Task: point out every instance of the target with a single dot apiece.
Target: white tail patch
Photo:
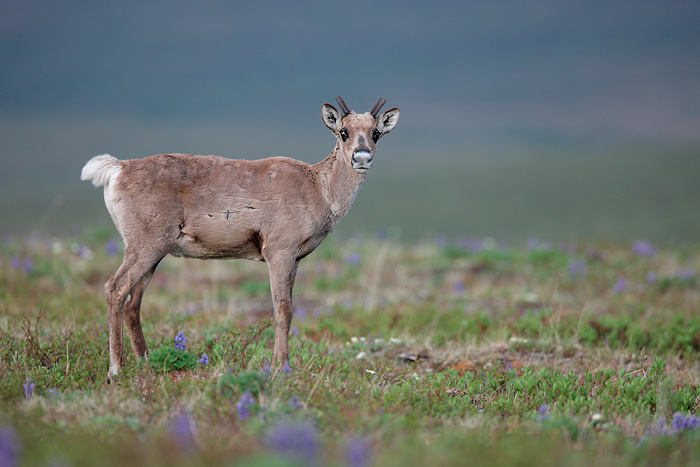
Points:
(101, 170)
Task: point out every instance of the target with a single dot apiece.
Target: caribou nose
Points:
(362, 158)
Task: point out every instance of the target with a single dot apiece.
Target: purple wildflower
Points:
(441, 241)
(470, 244)
(16, 262)
(297, 440)
(358, 452)
(620, 285)
(294, 331)
(28, 265)
(295, 403)
(180, 341)
(84, 252)
(685, 422)
(204, 360)
(286, 368)
(54, 392)
(243, 405)
(112, 247)
(300, 312)
(651, 277)
(543, 413)
(458, 286)
(10, 446)
(535, 244)
(578, 269)
(183, 430)
(353, 259)
(28, 388)
(686, 274)
(643, 248)
(266, 367)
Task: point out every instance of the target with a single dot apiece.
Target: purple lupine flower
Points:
(358, 452)
(266, 367)
(294, 331)
(643, 248)
(353, 259)
(300, 312)
(295, 403)
(204, 360)
(296, 440)
(686, 274)
(28, 388)
(470, 244)
(16, 262)
(543, 413)
(84, 252)
(243, 405)
(458, 286)
(651, 277)
(535, 244)
(180, 341)
(578, 269)
(441, 241)
(183, 430)
(10, 447)
(54, 392)
(189, 310)
(682, 422)
(286, 368)
(28, 265)
(620, 285)
(112, 247)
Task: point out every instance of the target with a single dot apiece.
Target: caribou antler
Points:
(343, 106)
(377, 107)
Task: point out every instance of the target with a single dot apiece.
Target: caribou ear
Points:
(388, 120)
(331, 117)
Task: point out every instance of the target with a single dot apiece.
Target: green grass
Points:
(434, 352)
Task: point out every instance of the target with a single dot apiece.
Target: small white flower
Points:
(362, 339)
(394, 340)
(354, 339)
(371, 372)
(531, 297)
(360, 355)
(518, 340)
(415, 375)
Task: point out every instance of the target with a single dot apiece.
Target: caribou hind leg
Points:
(135, 267)
(132, 315)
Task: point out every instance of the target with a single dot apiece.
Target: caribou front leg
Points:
(282, 274)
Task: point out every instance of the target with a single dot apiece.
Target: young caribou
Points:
(276, 210)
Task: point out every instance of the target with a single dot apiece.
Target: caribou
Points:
(276, 210)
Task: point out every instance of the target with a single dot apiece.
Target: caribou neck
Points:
(339, 184)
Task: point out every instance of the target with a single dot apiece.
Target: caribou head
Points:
(358, 133)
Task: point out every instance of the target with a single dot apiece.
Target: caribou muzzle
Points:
(361, 161)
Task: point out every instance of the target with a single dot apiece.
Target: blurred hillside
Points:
(556, 120)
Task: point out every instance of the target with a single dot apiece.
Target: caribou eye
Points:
(344, 134)
(376, 135)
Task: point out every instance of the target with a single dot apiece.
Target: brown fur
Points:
(276, 210)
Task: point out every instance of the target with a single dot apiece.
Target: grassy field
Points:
(447, 352)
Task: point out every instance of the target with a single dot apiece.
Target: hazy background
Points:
(557, 120)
